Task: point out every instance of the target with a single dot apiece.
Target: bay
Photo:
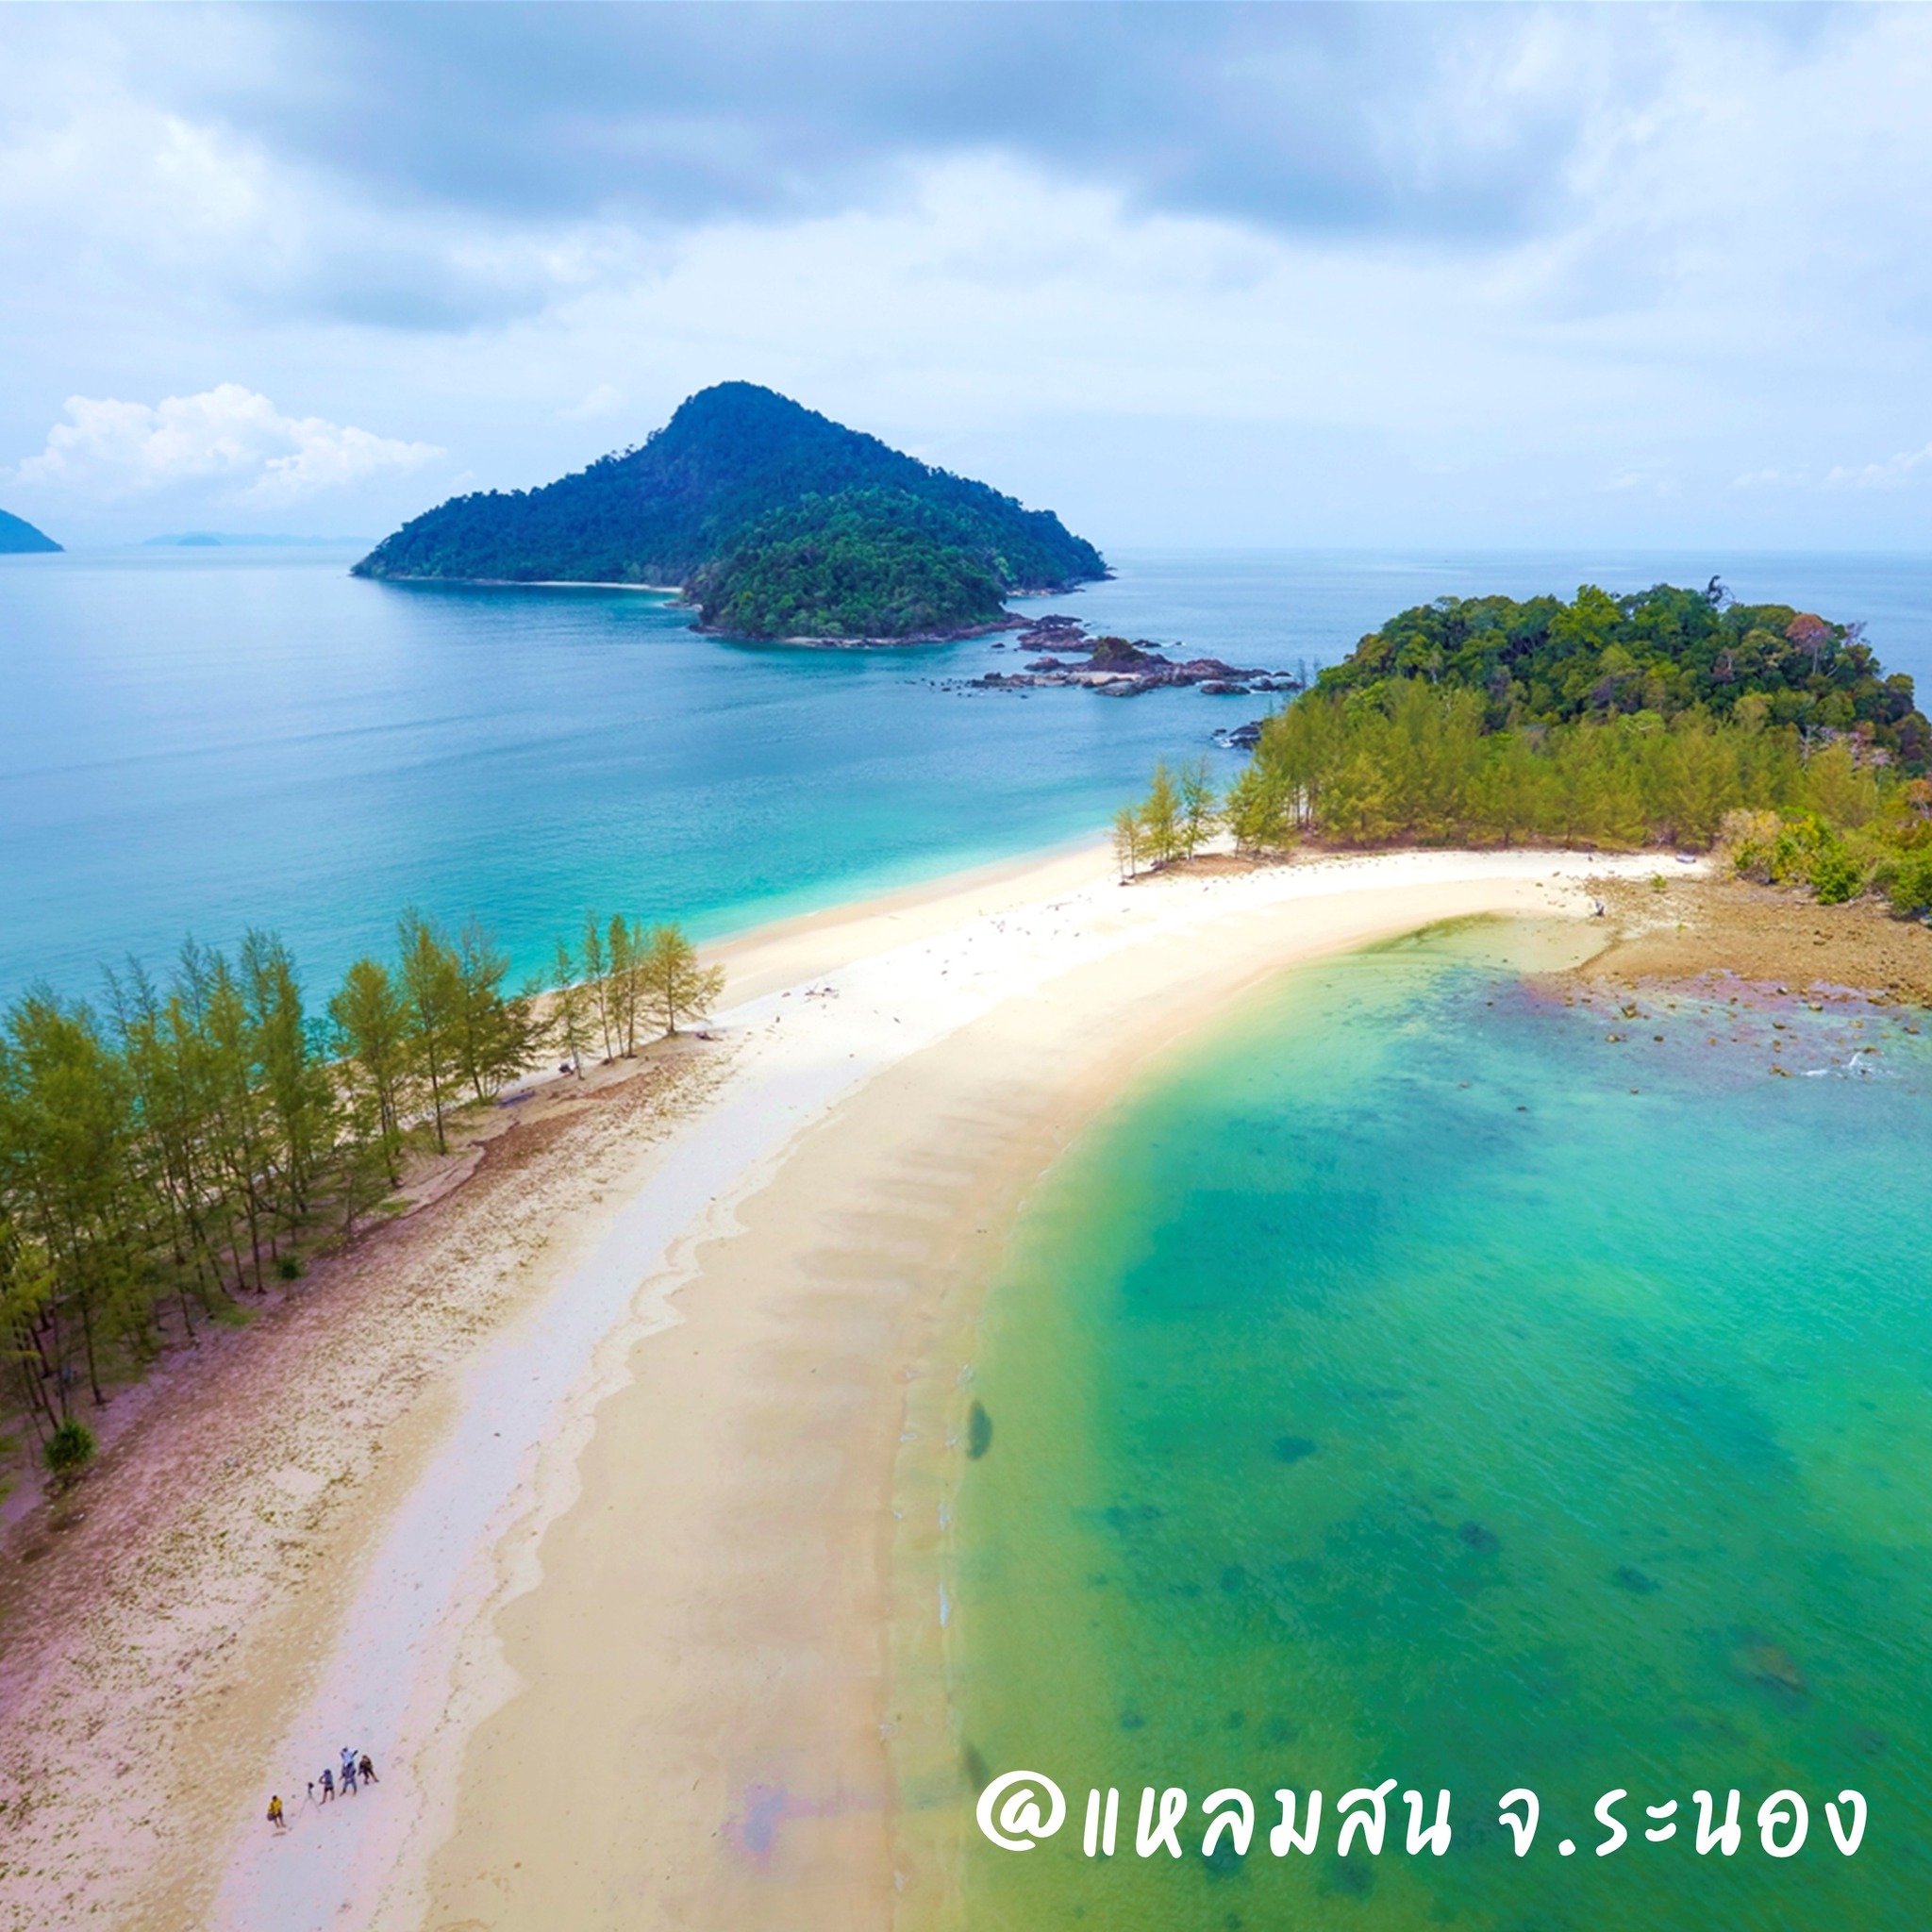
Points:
(1426, 1378)
(203, 740)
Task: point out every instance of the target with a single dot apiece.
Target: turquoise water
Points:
(1390, 1391)
(206, 739)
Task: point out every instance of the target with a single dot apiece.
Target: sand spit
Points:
(668, 1708)
(630, 1674)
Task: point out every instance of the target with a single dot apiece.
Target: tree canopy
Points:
(862, 563)
(1667, 718)
(171, 1151)
(1662, 651)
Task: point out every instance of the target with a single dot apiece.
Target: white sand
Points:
(823, 1008)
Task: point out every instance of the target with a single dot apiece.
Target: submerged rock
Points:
(1774, 1666)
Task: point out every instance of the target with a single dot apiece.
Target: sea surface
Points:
(202, 741)
(1413, 1381)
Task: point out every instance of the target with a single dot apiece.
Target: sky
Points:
(1190, 275)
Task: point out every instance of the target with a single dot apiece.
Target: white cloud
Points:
(1569, 271)
(227, 435)
(603, 400)
(1769, 477)
(1890, 475)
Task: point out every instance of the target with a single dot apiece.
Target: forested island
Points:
(1666, 717)
(775, 520)
(18, 537)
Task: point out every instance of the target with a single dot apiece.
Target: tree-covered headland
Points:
(774, 520)
(1670, 717)
(168, 1151)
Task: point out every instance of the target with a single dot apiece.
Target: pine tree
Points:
(674, 986)
(371, 1028)
(598, 977)
(492, 1032)
(1255, 812)
(432, 989)
(1197, 815)
(571, 1010)
(1160, 816)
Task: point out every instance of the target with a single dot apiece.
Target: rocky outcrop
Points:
(1116, 667)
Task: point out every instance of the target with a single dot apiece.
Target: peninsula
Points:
(18, 537)
(775, 520)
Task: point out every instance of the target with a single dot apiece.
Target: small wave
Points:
(1857, 1067)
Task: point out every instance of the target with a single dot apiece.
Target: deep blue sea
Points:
(202, 741)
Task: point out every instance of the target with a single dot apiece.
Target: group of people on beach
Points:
(357, 1770)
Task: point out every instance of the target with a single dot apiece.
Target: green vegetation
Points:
(161, 1154)
(18, 536)
(1660, 653)
(69, 1450)
(1662, 719)
(864, 563)
(860, 537)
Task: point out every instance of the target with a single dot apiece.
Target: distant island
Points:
(18, 537)
(775, 521)
(245, 540)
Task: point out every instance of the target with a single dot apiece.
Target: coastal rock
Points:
(1118, 667)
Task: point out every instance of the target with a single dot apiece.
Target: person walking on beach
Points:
(329, 1784)
(348, 1777)
(366, 1771)
(275, 1814)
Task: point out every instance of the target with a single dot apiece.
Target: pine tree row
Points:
(1410, 763)
(166, 1152)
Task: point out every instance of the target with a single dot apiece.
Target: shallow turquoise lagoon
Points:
(1391, 1392)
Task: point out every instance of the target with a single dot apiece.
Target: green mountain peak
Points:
(775, 520)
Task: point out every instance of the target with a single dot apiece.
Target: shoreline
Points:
(1008, 621)
(979, 1022)
(819, 1138)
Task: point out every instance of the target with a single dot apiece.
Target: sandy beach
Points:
(610, 1600)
